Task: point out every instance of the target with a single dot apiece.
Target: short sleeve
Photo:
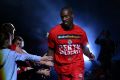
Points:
(84, 39)
(51, 40)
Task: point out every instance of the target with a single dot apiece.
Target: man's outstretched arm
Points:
(87, 52)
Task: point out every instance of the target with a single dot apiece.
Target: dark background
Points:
(34, 18)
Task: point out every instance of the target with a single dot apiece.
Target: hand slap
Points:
(46, 58)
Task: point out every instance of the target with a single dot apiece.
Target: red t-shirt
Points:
(67, 45)
(12, 47)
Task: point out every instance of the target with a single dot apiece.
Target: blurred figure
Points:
(8, 27)
(18, 42)
(8, 58)
(24, 66)
(107, 50)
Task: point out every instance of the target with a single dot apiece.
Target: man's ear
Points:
(6, 43)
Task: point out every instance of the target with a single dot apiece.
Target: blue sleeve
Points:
(27, 56)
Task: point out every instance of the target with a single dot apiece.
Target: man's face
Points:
(19, 43)
(67, 18)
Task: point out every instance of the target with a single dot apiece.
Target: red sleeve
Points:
(84, 39)
(51, 40)
(13, 47)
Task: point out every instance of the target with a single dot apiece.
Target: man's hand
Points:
(45, 72)
(28, 68)
(91, 56)
(48, 63)
(46, 58)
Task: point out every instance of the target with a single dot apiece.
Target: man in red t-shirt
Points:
(67, 42)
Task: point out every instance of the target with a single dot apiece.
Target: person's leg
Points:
(78, 72)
